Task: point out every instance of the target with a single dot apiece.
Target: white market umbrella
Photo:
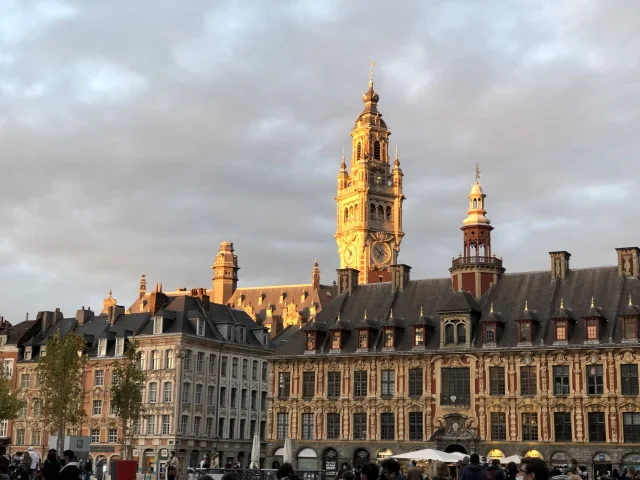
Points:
(255, 452)
(287, 456)
(428, 454)
(512, 458)
(460, 455)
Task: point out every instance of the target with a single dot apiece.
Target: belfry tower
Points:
(369, 200)
(476, 270)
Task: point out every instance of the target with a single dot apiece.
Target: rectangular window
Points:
(25, 380)
(265, 367)
(629, 328)
(97, 407)
(284, 385)
(221, 428)
(387, 426)
(415, 382)
(155, 360)
(167, 392)
(200, 327)
(498, 426)
(562, 426)
(561, 330)
(254, 370)
(153, 392)
(198, 395)
(157, 324)
(211, 395)
(456, 386)
(7, 369)
(561, 381)
(98, 379)
(333, 384)
(200, 362)
(387, 383)
(631, 427)
(166, 424)
(263, 401)
(597, 432)
(120, 346)
(592, 329)
(528, 381)
(168, 359)
(243, 398)
(234, 367)
(186, 392)
(252, 428)
(359, 426)
(95, 435)
(415, 426)
(263, 430)
(335, 340)
(363, 339)
(307, 426)
(113, 435)
(184, 421)
(530, 427)
(223, 366)
(243, 427)
(308, 384)
(360, 383)
(196, 425)
(102, 347)
(232, 428)
(282, 425)
(496, 381)
(4, 428)
(418, 337)
(212, 364)
(388, 338)
(151, 424)
(234, 397)
(595, 381)
(209, 427)
(333, 426)
(629, 374)
(490, 333)
(20, 436)
(35, 437)
(186, 361)
(245, 369)
(525, 332)
(223, 396)
(254, 400)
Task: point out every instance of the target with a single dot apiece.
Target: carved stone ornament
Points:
(527, 359)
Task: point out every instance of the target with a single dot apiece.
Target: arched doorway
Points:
(361, 456)
(330, 460)
(456, 448)
(241, 459)
(307, 460)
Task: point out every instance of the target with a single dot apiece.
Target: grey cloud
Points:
(136, 136)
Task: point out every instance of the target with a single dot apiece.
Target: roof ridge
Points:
(274, 286)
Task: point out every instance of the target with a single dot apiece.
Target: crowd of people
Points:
(28, 466)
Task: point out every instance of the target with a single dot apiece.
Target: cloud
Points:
(135, 136)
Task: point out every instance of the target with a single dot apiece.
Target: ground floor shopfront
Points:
(329, 456)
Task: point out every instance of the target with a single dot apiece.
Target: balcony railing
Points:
(477, 260)
(463, 400)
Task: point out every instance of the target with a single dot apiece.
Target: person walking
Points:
(172, 466)
(51, 466)
(474, 470)
(35, 460)
(494, 472)
(415, 472)
(70, 469)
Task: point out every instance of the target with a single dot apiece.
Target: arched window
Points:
(376, 150)
(372, 210)
(462, 333)
(388, 213)
(355, 213)
(346, 215)
(153, 392)
(351, 214)
(359, 151)
(448, 334)
(475, 205)
(381, 212)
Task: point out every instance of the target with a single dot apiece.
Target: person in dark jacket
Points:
(494, 472)
(70, 469)
(51, 466)
(474, 470)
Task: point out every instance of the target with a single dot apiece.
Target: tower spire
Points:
(371, 65)
(315, 276)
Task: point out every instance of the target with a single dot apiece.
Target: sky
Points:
(136, 136)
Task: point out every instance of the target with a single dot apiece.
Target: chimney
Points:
(156, 301)
(113, 312)
(400, 276)
(628, 262)
(201, 294)
(83, 314)
(347, 280)
(559, 264)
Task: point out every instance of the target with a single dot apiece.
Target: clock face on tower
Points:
(381, 253)
(349, 254)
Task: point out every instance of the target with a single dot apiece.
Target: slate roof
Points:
(18, 332)
(541, 294)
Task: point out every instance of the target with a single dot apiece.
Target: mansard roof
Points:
(538, 290)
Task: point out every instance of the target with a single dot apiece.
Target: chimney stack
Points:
(559, 264)
(347, 280)
(156, 301)
(113, 312)
(400, 276)
(628, 262)
(83, 314)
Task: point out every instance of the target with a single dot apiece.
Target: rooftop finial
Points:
(491, 308)
(343, 165)
(397, 162)
(391, 314)
(421, 311)
(562, 303)
(591, 301)
(477, 172)
(371, 65)
(365, 314)
(526, 305)
(630, 300)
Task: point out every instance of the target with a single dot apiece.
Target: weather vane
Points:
(372, 64)
(477, 172)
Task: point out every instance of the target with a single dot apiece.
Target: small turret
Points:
(142, 290)
(315, 276)
(225, 273)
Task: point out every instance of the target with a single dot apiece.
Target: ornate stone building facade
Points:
(539, 363)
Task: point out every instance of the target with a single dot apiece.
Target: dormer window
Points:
(241, 334)
(311, 341)
(388, 338)
(418, 337)
(462, 332)
(200, 327)
(102, 347)
(561, 330)
(335, 340)
(157, 325)
(3, 340)
(43, 351)
(490, 333)
(265, 339)
(120, 346)
(592, 329)
(630, 328)
(27, 353)
(260, 298)
(363, 339)
(525, 332)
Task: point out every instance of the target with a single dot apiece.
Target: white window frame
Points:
(113, 435)
(120, 346)
(166, 424)
(4, 428)
(43, 353)
(200, 327)
(102, 347)
(27, 353)
(27, 377)
(96, 408)
(157, 325)
(169, 359)
(95, 435)
(98, 378)
(151, 424)
(154, 360)
(197, 421)
(7, 368)
(167, 394)
(153, 392)
(184, 424)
